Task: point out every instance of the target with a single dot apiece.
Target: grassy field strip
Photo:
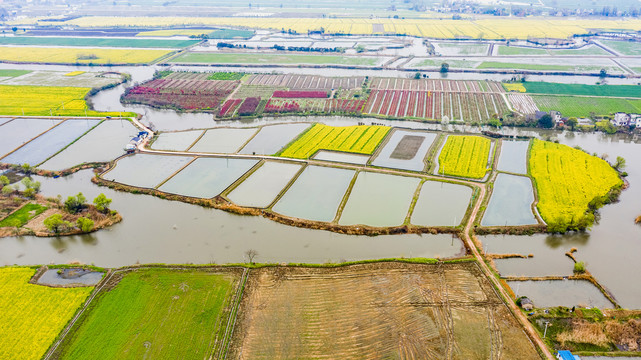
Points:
(617, 91)
(582, 106)
(229, 328)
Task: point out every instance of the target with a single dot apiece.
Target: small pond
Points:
(263, 186)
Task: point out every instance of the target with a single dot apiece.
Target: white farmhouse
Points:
(621, 119)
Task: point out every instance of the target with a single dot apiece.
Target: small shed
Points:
(527, 304)
(566, 355)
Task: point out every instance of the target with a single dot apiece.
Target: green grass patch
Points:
(505, 65)
(624, 47)
(153, 314)
(96, 42)
(226, 76)
(231, 34)
(23, 215)
(13, 73)
(465, 156)
(226, 58)
(461, 64)
(582, 106)
(516, 50)
(630, 91)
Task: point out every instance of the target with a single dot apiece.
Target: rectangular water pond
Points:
(441, 204)
(270, 139)
(405, 150)
(264, 185)
(342, 157)
(316, 194)
(20, 131)
(207, 177)
(4, 120)
(510, 203)
(379, 200)
(223, 141)
(144, 170)
(50, 142)
(104, 143)
(176, 141)
(70, 277)
(568, 293)
(513, 157)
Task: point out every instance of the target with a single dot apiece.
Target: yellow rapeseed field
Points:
(485, 28)
(74, 73)
(514, 87)
(465, 156)
(46, 100)
(359, 139)
(79, 55)
(31, 315)
(567, 180)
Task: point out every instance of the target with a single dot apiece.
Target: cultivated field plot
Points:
(144, 170)
(270, 139)
(207, 177)
(579, 106)
(375, 311)
(464, 156)
(628, 48)
(626, 91)
(322, 189)
(471, 101)
(548, 63)
(223, 140)
(307, 82)
(379, 200)
(349, 106)
(261, 58)
(405, 150)
(28, 309)
(154, 313)
(566, 293)
(460, 48)
(80, 55)
(441, 204)
(359, 139)
(511, 202)
(95, 42)
(513, 157)
(19, 131)
(60, 78)
(102, 144)
(264, 185)
(567, 180)
(589, 50)
(49, 143)
(181, 94)
(176, 141)
(523, 103)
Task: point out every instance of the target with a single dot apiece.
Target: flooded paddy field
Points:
(568, 293)
(19, 131)
(511, 202)
(146, 171)
(176, 141)
(185, 233)
(54, 140)
(441, 204)
(270, 139)
(102, 144)
(405, 150)
(207, 177)
(223, 140)
(322, 189)
(263, 185)
(513, 157)
(383, 310)
(379, 200)
(4, 120)
(70, 277)
(341, 157)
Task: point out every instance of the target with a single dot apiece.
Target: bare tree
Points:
(251, 254)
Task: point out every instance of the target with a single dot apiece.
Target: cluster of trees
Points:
(74, 205)
(307, 49)
(30, 191)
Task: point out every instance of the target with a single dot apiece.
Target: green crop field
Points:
(462, 64)
(360, 139)
(586, 50)
(464, 156)
(624, 47)
(13, 73)
(544, 67)
(33, 315)
(515, 50)
(630, 91)
(233, 58)
(23, 215)
(225, 76)
(567, 179)
(96, 42)
(582, 106)
(153, 314)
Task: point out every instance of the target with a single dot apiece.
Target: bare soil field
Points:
(407, 147)
(376, 311)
